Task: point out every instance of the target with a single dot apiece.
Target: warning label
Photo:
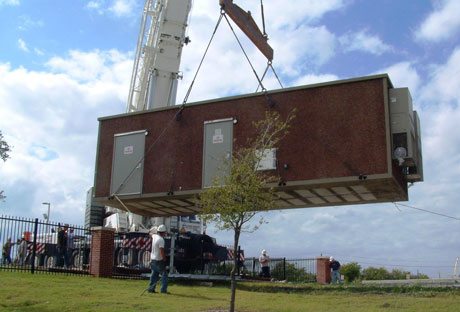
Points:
(128, 150)
(218, 137)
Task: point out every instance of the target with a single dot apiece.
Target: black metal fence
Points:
(38, 246)
(283, 269)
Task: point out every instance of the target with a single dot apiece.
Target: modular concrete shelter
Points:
(339, 150)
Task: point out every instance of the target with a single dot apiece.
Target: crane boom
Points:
(158, 53)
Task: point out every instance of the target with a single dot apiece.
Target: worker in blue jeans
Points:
(158, 261)
(334, 265)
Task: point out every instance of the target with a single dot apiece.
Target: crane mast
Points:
(158, 54)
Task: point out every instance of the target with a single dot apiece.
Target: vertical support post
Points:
(171, 254)
(323, 272)
(284, 268)
(34, 247)
(253, 266)
(201, 255)
(102, 246)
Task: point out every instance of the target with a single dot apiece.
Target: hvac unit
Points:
(405, 134)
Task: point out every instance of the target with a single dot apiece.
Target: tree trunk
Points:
(234, 269)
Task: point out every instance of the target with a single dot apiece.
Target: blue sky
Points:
(63, 64)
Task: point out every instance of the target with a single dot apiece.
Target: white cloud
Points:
(296, 55)
(39, 52)
(22, 45)
(312, 79)
(440, 98)
(96, 6)
(91, 66)
(279, 15)
(118, 8)
(444, 86)
(26, 23)
(123, 7)
(54, 148)
(363, 41)
(403, 74)
(443, 23)
(9, 2)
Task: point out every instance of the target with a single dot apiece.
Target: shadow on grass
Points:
(191, 296)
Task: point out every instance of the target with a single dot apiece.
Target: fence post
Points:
(253, 266)
(102, 245)
(323, 272)
(34, 247)
(284, 268)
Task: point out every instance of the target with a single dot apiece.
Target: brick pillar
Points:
(323, 272)
(102, 245)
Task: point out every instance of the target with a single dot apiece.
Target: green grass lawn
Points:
(21, 291)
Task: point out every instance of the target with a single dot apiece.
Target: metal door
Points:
(128, 163)
(217, 149)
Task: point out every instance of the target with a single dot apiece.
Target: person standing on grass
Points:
(22, 252)
(158, 260)
(334, 265)
(264, 261)
(62, 246)
(70, 245)
(6, 251)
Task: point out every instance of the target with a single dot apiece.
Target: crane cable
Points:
(244, 52)
(201, 62)
(263, 18)
(425, 210)
(269, 65)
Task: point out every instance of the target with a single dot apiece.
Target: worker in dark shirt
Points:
(334, 265)
(62, 246)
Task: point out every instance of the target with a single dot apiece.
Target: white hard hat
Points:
(264, 251)
(161, 228)
(331, 258)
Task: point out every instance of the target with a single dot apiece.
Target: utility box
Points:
(340, 149)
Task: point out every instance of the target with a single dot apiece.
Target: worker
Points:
(264, 261)
(22, 252)
(158, 260)
(70, 246)
(62, 246)
(334, 265)
(6, 251)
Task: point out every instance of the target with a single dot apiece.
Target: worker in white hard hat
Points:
(334, 265)
(264, 261)
(158, 261)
